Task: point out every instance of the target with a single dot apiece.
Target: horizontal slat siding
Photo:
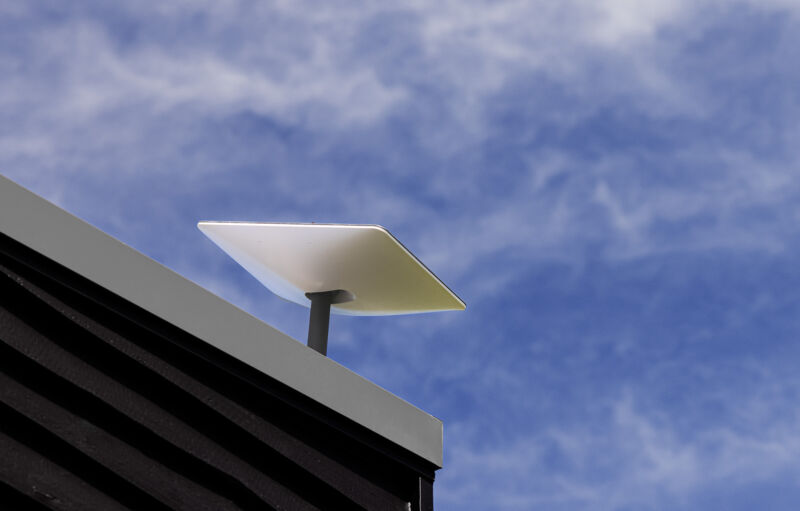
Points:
(224, 419)
(38, 465)
(169, 433)
(147, 474)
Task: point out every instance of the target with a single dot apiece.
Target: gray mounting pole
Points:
(321, 316)
(319, 320)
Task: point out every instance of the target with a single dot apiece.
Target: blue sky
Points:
(612, 187)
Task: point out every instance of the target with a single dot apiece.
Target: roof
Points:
(91, 253)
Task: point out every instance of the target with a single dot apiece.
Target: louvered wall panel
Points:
(103, 406)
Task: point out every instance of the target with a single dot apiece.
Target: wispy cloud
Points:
(610, 185)
(628, 458)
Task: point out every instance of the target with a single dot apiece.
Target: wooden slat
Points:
(146, 473)
(54, 486)
(15, 499)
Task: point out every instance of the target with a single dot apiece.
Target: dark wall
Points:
(104, 406)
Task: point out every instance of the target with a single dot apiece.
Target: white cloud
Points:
(83, 98)
(77, 74)
(86, 102)
(632, 458)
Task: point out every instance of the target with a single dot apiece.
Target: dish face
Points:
(365, 260)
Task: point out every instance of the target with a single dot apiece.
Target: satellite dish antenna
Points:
(356, 270)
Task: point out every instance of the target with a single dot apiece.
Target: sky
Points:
(612, 187)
